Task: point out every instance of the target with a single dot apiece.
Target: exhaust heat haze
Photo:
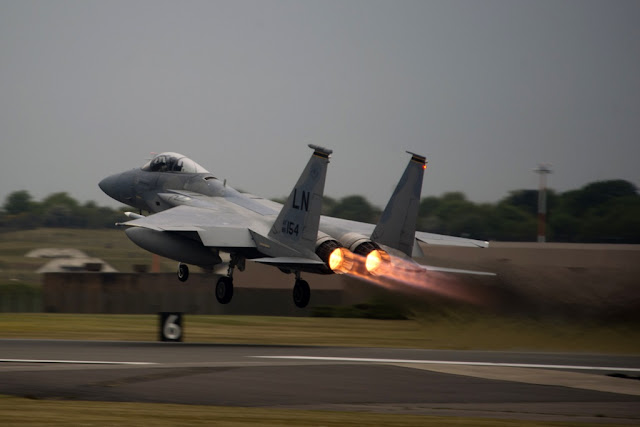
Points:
(401, 275)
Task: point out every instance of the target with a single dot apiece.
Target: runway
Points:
(520, 385)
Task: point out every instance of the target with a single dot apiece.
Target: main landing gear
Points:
(301, 292)
(183, 272)
(224, 287)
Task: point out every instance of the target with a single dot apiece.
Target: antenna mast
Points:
(543, 170)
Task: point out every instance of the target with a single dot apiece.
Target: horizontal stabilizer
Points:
(133, 215)
(440, 239)
(287, 260)
(456, 270)
(291, 264)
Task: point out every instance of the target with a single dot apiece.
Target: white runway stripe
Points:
(448, 362)
(80, 362)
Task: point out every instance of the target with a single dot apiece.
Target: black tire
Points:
(224, 290)
(301, 293)
(183, 272)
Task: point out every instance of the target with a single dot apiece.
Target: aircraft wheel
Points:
(301, 293)
(183, 272)
(224, 290)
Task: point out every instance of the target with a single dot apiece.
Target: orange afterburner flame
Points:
(403, 275)
(341, 261)
(377, 262)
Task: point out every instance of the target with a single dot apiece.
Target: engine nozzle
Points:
(341, 261)
(377, 262)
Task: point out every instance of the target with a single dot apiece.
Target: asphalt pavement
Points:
(520, 385)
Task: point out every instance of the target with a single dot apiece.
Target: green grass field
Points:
(462, 333)
(28, 412)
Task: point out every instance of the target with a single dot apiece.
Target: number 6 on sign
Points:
(170, 326)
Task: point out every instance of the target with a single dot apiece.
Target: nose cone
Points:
(110, 186)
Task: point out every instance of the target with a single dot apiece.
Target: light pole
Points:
(543, 170)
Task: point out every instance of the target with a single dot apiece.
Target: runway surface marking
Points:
(449, 362)
(77, 362)
(577, 380)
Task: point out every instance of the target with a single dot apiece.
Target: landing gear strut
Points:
(224, 287)
(301, 292)
(183, 272)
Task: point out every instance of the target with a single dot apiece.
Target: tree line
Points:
(20, 211)
(599, 212)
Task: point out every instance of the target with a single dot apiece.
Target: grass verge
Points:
(29, 412)
(462, 333)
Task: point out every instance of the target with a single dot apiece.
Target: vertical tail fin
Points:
(397, 226)
(297, 224)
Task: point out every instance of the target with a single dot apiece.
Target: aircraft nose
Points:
(110, 186)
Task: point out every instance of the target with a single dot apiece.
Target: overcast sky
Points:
(485, 89)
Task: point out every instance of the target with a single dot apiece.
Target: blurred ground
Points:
(574, 281)
(554, 278)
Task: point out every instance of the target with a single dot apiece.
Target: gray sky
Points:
(484, 89)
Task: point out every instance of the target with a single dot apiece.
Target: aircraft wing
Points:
(226, 227)
(217, 225)
(428, 238)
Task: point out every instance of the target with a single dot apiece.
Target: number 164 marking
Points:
(290, 227)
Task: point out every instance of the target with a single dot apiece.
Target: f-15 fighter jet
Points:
(195, 216)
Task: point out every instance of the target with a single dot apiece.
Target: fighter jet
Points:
(196, 216)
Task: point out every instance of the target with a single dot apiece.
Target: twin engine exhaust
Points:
(342, 261)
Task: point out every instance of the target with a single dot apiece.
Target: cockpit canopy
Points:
(173, 162)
